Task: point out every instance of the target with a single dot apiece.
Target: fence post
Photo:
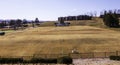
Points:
(117, 53)
(105, 54)
(93, 55)
(69, 55)
(45, 55)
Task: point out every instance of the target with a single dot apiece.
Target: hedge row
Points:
(61, 60)
(41, 60)
(65, 60)
(11, 60)
(115, 58)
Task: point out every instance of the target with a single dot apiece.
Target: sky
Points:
(52, 9)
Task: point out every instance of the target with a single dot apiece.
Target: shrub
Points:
(51, 61)
(26, 61)
(61, 60)
(114, 58)
(11, 60)
(2, 33)
(36, 60)
(40, 60)
(65, 60)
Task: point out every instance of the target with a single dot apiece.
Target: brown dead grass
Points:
(55, 40)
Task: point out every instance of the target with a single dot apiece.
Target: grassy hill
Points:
(98, 22)
(48, 23)
(55, 40)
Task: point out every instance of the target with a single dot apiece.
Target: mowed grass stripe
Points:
(56, 40)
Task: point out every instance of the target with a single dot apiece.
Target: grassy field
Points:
(98, 22)
(55, 40)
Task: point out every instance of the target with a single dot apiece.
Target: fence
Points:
(80, 55)
(74, 56)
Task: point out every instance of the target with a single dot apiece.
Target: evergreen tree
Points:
(111, 19)
(2, 24)
(25, 23)
(37, 21)
(13, 24)
(19, 23)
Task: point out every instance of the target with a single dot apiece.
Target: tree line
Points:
(18, 23)
(111, 18)
(80, 17)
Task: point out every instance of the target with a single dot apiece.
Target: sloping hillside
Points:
(55, 40)
(98, 22)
